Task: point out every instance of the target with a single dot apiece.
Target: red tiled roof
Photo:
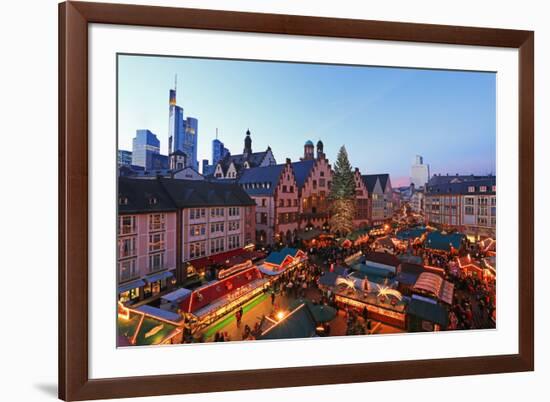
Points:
(209, 293)
(229, 258)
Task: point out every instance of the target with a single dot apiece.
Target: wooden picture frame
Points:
(74, 381)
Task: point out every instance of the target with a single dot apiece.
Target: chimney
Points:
(288, 161)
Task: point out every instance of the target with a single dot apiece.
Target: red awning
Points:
(229, 258)
(207, 294)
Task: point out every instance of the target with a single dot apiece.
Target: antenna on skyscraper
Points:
(176, 82)
(216, 132)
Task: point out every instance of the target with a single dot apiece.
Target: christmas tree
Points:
(342, 194)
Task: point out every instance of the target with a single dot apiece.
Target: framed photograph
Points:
(259, 200)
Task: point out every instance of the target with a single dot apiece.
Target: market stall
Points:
(425, 316)
(383, 303)
(433, 285)
(443, 242)
(298, 323)
(218, 298)
(281, 261)
(470, 267)
(147, 325)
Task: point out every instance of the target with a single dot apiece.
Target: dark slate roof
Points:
(254, 159)
(301, 171)
(299, 324)
(328, 279)
(370, 180)
(427, 311)
(382, 258)
(411, 268)
(260, 176)
(171, 194)
(369, 270)
(406, 278)
(198, 193)
(444, 179)
(139, 194)
(462, 187)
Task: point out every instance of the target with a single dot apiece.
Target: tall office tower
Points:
(144, 146)
(175, 124)
(420, 173)
(191, 133)
(183, 133)
(219, 151)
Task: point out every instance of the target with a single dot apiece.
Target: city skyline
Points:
(368, 109)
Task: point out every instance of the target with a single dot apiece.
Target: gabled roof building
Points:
(381, 197)
(232, 166)
(275, 191)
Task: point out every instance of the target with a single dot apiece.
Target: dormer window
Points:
(153, 201)
(471, 189)
(482, 189)
(123, 201)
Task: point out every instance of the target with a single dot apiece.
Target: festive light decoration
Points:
(346, 281)
(387, 291)
(123, 311)
(154, 331)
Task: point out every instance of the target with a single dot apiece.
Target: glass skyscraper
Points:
(183, 133)
(124, 157)
(218, 151)
(144, 146)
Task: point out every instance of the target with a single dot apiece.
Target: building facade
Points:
(313, 179)
(214, 218)
(420, 172)
(417, 202)
(465, 203)
(147, 240)
(166, 223)
(381, 203)
(275, 192)
(361, 201)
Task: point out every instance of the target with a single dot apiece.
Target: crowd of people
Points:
(473, 305)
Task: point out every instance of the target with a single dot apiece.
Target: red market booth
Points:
(278, 262)
(433, 285)
(216, 299)
(470, 267)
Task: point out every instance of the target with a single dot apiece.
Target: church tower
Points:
(320, 153)
(247, 145)
(308, 151)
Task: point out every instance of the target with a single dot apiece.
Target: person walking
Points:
(239, 316)
(272, 298)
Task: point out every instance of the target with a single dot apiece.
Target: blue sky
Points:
(384, 116)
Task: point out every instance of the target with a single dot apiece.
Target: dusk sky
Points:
(384, 116)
